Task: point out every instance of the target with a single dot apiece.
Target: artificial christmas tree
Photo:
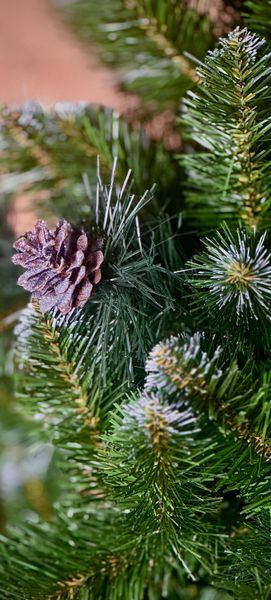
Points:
(155, 390)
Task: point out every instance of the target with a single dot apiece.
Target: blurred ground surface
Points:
(40, 59)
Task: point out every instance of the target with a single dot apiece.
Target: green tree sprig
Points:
(228, 116)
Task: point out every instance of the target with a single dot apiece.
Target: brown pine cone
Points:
(62, 266)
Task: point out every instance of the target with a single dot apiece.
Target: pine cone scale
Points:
(65, 304)
(47, 302)
(34, 262)
(82, 242)
(77, 260)
(95, 259)
(83, 294)
(62, 286)
(34, 279)
(76, 276)
(97, 276)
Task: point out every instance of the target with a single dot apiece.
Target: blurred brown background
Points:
(41, 59)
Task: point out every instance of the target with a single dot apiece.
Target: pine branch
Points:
(63, 400)
(158, 31)
(157, 484)
(183, 364)
(156, 430)
(92, 350)
(60, 147)
(241, 456)
(11, 297)
(259, 409)
(231, 283)
(56, 547)
(116, 580)
(161, 32)
(228, 116)
(169, 27)
(247, 561)
(137, 298)
(258, 17)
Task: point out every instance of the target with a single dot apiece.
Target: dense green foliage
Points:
(56, 152)
(157, 394)
(232, 278)
(229, 117)
(146, 41)
(258, 15)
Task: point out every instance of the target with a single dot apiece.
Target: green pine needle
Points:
(228, 115)
(231, 280)
(182, 364)
(258, 16)
(156, 482)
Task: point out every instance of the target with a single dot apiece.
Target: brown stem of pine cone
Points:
(62, 266)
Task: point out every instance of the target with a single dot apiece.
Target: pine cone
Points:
(62, 266)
